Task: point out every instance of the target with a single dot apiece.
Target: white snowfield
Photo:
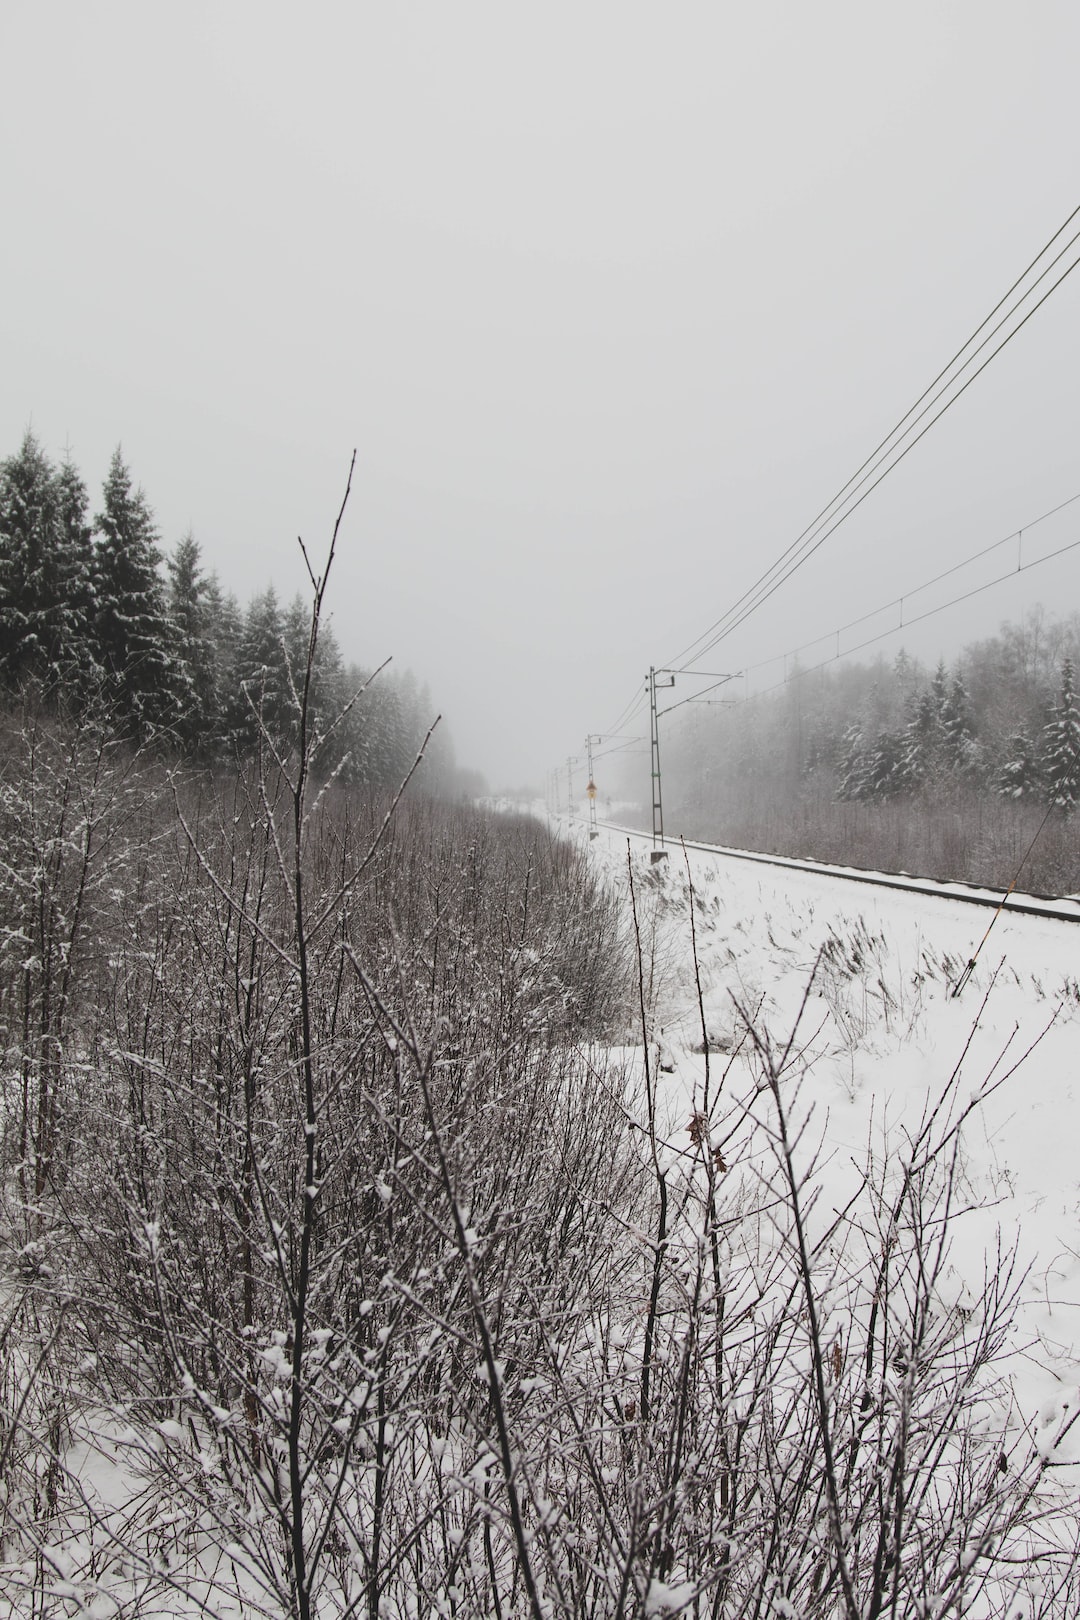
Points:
(880, 1035)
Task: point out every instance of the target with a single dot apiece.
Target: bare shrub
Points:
(372, 1285)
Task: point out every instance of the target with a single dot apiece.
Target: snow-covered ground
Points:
(882, 1033)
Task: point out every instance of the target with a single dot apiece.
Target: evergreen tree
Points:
(374, 734)
(327, 686)
(885, 771)
(1019, 775)
(78, 607)
(386, 757)
(939, 687)
(1061, 746)
(412, 722)
(329, 697)
(851, 765)
(924, 734)
(30, 636)
(224, 626)
(259, 696)
(189, 615)
(142, 680)
(296, 634)
(959, 749)
(46, 577)
(905, 675)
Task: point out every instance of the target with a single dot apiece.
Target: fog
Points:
(609, 298)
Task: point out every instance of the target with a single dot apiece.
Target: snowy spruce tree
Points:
(77, 611)
(885, 772)
(144, 681)
(960, 750)
(1019, 773)
(259, 687)
(1061, 746)
(851, 764)
(89, 617)
(925, 734)
(224, 624)
(45, 571)
(189, 614)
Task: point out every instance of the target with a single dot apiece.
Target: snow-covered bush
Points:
(354, 1271)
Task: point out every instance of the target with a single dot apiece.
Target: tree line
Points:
(941, 740)
(96, 617)
(948, 771)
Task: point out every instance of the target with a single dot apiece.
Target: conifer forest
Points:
(109, 628)
(959, 771)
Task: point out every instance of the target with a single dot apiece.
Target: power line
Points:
(701, 697)
(917, 590)
(843, 516)
(636, 702)
(888, 454)
(631, 746)
(803, 546)
(623, 744)
(628, 745)
(895, 630)
(884, 459)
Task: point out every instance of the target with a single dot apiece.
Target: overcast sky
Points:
(609, 298)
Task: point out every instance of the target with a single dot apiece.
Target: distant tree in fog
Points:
(189, 613)
(1061, 746)
(1019, 775)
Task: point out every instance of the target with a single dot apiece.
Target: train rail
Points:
(1058, 908)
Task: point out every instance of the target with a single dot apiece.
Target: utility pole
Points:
(591, 789)
(570, 789)
(659, 853)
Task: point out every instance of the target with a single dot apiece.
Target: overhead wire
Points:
(888, 453)
(917, 590)
(885, 447)
(628, 713)
(883, 635)
(700, 697)
(886, 456)
(631, 746)
(919, 618)
(842, 517)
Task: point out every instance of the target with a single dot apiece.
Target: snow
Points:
(865, 972)
(664, 1598)
(883, 1033)
(1065, 907)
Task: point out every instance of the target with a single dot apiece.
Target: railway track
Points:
(1056, 907)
